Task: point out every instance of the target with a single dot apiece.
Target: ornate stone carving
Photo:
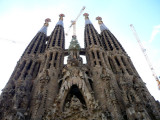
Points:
(44, 79)
(105, 76)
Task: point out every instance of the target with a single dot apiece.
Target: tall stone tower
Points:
(107, 87)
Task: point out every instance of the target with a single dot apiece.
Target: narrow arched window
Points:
(117, 61)
(112, 65)
(123, 61)
(36, 69)
(93, 55)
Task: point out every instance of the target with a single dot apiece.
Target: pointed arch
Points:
(82, 92)
(74, 91)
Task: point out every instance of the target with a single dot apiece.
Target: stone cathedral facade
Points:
(106, 87)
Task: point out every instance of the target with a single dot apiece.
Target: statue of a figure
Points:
(22, 93)
(28, 83)
(75, 103)
(39, 98)
(44, 80)
(66, 73)
(112, 95)
(66, 106)
(75, 72)
(19, 96)
(105, 75)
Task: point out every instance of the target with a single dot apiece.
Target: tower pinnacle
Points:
(44, 28)
(100, 22)
(60, 22)
(87, 21)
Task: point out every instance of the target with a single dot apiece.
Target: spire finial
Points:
(60, 22)
(87, 21)
(44, 28)
(86, 15)
(47, 20)
(61, 16)
(100, 22)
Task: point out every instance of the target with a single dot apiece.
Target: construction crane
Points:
(145, 54)
(9, 40)
(73, 22)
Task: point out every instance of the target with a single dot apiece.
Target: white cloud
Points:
(155, 31)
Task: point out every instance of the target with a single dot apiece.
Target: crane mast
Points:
(73, 23)
(145, 54)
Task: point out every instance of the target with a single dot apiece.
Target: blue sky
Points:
(20, 20)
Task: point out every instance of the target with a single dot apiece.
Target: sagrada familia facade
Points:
(106, 87)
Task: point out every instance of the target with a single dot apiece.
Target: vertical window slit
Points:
(60, 61)
(54, 64)
(117, 61)
(88, 36)
(39, 41)
(100, 63)
(50, 57)
(93, 55)
(56, 56)
(48, 65)
(98, 55)
(29, 65)
(32, 44)
(123, 61)
(28, 68)
(36, 69)
(104, 43)
(22, 66)
(43, 45)
(19, 72)
(112, 65)
(111, 48)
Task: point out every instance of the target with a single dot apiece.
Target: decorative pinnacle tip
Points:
(99, 20)
(86, 14)
(61, 16)
(47, 20)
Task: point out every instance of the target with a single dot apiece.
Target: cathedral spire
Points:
(100, 22)
(87, 21)
(91, 35)
(37, 45)
(44, 28)
(109, 41)
(60, 22)
(57, 37)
